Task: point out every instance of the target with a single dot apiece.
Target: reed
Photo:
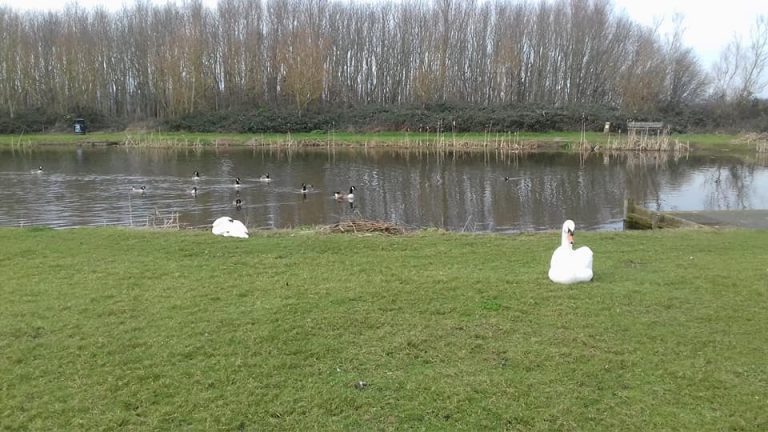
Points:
(437, 138)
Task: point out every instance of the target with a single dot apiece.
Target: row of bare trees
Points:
(156, 61)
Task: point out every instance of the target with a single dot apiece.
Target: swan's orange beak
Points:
(570, 236)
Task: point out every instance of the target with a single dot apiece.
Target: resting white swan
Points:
(567, 265)
(228, 227)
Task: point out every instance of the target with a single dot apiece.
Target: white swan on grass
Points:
(569, 266)
(228, 227)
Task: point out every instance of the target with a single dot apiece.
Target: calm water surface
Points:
(458, 191)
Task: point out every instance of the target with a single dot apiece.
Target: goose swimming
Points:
(348, 196)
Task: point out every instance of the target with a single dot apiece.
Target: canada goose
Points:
(39, 170)
(265, 178)
(237, 182)
(569, 266)
(193, 192)
(306, 187)
(349, 196)
(141, 189)
(196, 175)
(238, 203)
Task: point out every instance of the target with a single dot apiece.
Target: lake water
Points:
(457, 191)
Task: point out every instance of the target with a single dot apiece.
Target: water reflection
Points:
(499, 191)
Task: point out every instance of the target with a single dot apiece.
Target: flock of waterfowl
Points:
(229, 227)
(567, 265)
(238, 203)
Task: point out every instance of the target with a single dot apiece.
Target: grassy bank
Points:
(549, 140)
(105, 329)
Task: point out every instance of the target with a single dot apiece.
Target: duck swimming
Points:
(265, 178)
(567, 265)
(140, 189)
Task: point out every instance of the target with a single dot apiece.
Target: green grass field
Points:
(117, 329)
(555, 140)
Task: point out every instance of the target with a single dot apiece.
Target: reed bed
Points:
(159, 141)
(759, 140)
(652, 143)
(432, 139)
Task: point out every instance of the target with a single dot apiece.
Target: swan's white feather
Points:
(228, 227)
(569, 266)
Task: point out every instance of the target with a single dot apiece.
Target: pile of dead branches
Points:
(364, 226)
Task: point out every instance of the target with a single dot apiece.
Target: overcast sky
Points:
(710, 24)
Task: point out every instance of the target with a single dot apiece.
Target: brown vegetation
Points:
(358, 226)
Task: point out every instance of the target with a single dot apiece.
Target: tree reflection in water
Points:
(498, 189)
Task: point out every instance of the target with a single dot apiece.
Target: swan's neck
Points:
(567, 240)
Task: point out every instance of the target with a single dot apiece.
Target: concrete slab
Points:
(757, 219)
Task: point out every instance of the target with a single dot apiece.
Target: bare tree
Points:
(687, 81)
(740, 71)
